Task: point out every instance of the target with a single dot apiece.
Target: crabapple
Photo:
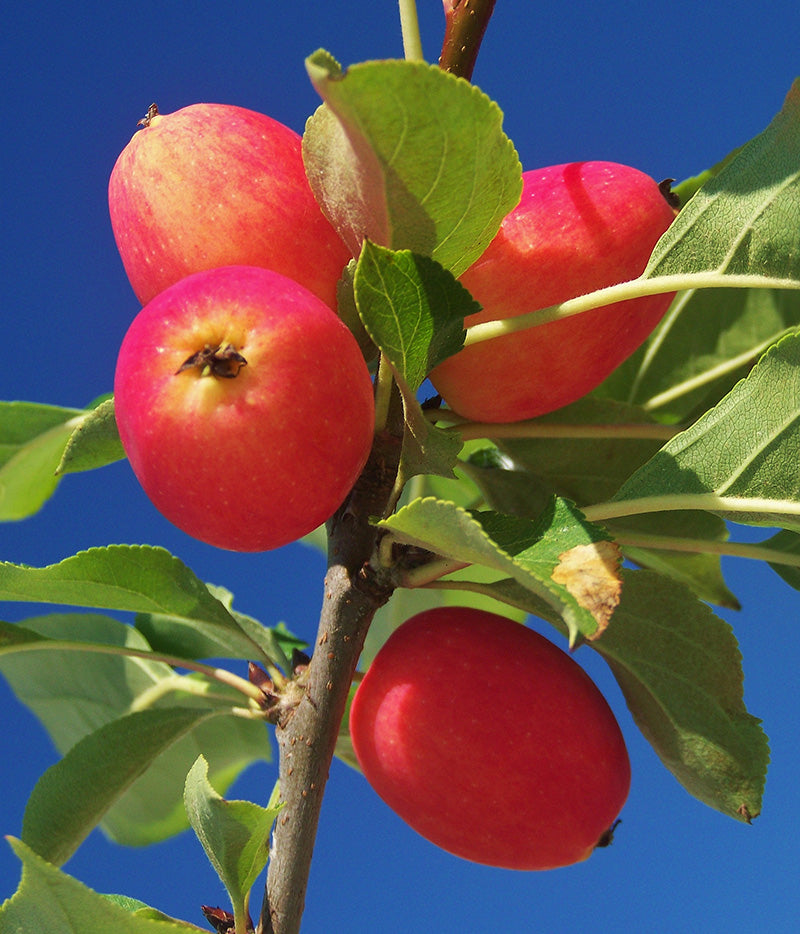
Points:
(244, 406)
(490, 741)
(577, 228)
(217, 185)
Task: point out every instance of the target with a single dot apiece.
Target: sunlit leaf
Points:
(71, 671)
(679, 668)
(744, 220)
(526, 550)
(94, 441)
(234, 834)
(72, 796)
(48, 900)
(707, 341)
(141, 578)
(413, 309)
(739, 460)
(32, 442)
(410, 157)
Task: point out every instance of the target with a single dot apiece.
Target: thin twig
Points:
(465, 25)
(355, 587)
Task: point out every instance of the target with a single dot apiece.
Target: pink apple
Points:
(216, 185)
(578, 228)
(490, 741)
(244, 406)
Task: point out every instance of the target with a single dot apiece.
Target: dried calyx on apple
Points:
(222, 361)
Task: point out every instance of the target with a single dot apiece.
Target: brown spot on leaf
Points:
(591, 575)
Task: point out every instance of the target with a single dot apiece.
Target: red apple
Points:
(578, 228)
(215, 185)
(490, 741)
(244, 406)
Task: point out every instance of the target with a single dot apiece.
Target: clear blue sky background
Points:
(669, 88)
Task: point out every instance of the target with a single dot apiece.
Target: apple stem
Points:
(465, 25)
(409, 25)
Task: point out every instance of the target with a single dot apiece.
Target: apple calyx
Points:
(224, 362)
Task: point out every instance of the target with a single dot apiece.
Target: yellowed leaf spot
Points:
(591, 575)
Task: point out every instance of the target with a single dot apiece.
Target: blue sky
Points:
(668, 88)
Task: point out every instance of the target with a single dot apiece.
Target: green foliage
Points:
(32, 442)
(746, 216)
(409, 157)
(40, 442)
(141, 578)
(78, 673)
(234, 834)
(708, 340)
(529, 552)
(49, 900)
(698, 428)
(413, 309)
(739, 460)
(679, 668)
(94, 442)
(72, 796)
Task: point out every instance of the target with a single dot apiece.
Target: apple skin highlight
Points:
(252, 461)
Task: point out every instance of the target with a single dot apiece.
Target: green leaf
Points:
(708, 340)
(679, 668)
(744, 220)
(50, 901)
(587, 450)
(504, 486)
(689, 187)
(71, 671)
(739, 460)
(141, 578)
(139, 908)
(234, 834)
(94, 441)
(410, 157)
(32, 441)
(413, 309)
(785, 543)
(189, 638)
(646, 541)
(427, 449)
(521, 478)
(551, 557)
(73, 795)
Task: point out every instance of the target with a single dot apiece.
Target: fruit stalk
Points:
(306, 741)
(465, 25)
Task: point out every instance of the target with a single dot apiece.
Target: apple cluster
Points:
(246, 410)
(243, 402)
